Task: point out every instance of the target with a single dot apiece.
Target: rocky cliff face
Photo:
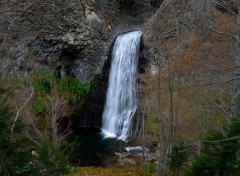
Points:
(70, 37)
(169, 29)
(67, 37)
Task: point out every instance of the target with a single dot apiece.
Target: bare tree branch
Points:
(20, 109)
(225, 7)
(224, 33)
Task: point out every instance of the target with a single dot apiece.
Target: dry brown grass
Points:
(97, 171)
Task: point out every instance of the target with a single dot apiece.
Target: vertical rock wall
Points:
(68, 37)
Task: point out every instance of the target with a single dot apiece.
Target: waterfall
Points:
(122, 98)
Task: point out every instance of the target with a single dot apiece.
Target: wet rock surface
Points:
(133, 155)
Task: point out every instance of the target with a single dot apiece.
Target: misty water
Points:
(122, 97)
(95, 149)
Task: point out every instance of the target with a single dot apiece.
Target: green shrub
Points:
(220, 152)
(177, 157)
(42, 82)
(52, 159)
(15, 156)
(40, 106)
(150, 168)
(46, 85)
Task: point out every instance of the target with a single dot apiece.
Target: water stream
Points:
(122, 97)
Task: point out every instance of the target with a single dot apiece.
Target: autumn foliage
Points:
(191, 90)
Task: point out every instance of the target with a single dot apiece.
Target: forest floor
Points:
(115, 171)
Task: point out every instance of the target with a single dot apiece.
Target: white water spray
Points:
(122, 98)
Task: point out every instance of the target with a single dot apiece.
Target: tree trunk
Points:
(53, 115)
(235, 87)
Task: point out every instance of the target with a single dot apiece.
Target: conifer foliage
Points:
(220, 152)
(14, 156)
(52, 159)
(177, 157)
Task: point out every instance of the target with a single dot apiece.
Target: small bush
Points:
(15, 157)
(52, 159)
(220, 152)
(178, 157)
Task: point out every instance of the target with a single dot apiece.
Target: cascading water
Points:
(121, 100)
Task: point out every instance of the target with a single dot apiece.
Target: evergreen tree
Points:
(52, 159)
(177, 157)
(220, 153)
(15, 158)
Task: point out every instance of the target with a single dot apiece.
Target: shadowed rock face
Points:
(74, 41)
(91, 113)
(71, 40)
(92, 109)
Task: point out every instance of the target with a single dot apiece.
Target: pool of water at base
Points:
(91, 149)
